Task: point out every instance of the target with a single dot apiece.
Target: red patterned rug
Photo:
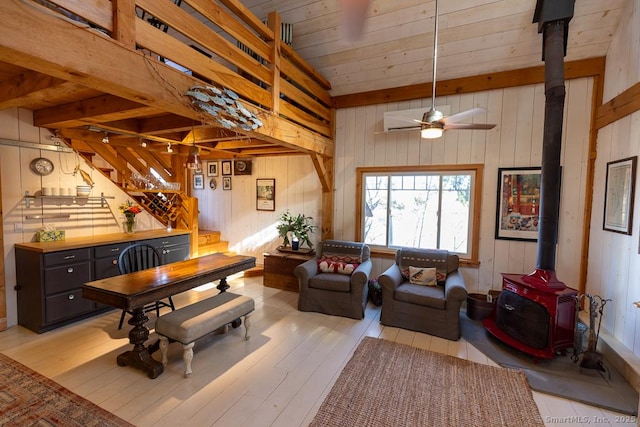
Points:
(29, 398)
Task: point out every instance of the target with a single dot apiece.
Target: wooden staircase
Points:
(209, 243)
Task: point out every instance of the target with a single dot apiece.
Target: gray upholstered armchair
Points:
(434, 310)
(335, 280)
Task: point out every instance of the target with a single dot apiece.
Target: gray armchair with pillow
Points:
(334, 282)
(423, 291)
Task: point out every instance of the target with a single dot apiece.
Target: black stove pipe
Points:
(554, 45)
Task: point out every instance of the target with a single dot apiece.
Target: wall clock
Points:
(41, 166)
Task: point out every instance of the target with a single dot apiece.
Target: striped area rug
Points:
(28, 398)
(391, 384)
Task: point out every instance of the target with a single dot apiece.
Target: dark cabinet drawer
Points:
(105, 267)
(108, 251)
(175, 254)
(168, 242)
(66, 257)
(67, 305)
(66, 277)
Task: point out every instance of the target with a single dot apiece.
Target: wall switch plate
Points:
(17, 226)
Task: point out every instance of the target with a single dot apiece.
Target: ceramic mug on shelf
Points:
(63, 191)
(46, 191)
(55, 191)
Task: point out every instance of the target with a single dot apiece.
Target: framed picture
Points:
(266, 194)
(212, 168)
(518, 203)
(618, 195)
(226, 183)
(242, 167)
(198, 181)
(226, 167)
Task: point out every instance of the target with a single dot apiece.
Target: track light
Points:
(169, 149)
(105, 138)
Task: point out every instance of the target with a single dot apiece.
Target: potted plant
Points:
(295, 228)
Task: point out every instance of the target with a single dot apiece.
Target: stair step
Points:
(208, 237)
(213, 248)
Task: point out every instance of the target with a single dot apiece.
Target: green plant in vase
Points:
(297, 227)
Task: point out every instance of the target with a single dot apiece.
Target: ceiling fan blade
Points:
(469, 126)
(354, 15)
(463, 115)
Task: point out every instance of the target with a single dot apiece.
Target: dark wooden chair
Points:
(136, 257)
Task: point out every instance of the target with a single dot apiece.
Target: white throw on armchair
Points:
(340, 289)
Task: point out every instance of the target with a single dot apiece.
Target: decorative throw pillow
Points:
(328, 266)
(422, 276)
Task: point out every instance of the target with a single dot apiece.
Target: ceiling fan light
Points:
(431, 133)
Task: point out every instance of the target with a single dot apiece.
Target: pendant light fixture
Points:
(193, 159)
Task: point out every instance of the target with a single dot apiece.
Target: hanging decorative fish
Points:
(85, 176)
(224, 105)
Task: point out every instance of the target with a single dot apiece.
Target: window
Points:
(421, 207)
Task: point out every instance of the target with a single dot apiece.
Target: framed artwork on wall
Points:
(212, 168)
(198, 181)
(226, 167)
(242, 167)
(226, 183)
(619, 195)
(266, 194)
(518, 203)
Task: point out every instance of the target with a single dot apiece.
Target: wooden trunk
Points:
(278, 269)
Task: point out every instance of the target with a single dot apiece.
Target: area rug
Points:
(559, 376)
(28, 398)
(390, 384)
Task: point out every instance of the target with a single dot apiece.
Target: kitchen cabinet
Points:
(50, 274)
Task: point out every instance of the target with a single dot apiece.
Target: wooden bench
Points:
(196, 320)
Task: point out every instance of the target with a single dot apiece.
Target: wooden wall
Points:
(85, 219)
(234, 213)
(614, 260)
(515, 142)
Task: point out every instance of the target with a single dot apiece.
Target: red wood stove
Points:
(535, 314)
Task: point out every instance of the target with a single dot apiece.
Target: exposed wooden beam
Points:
(321, 170)
(166, 123)
(160, 163)
(626, 103)
(522, 77)
(30, 86)
(101, 108)
(143, 80)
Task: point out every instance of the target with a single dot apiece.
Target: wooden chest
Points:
(278, 269)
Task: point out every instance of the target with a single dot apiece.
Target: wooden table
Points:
(133, 291)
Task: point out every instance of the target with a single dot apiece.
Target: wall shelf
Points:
(28, 197)
(50, 216)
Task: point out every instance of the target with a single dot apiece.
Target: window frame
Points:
(476, 191)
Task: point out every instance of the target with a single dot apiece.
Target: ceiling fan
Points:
(353, 16)
(433, 122)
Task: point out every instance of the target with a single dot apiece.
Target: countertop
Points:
(102, 239)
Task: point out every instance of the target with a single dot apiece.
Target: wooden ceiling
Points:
(475, 37)
(76, 82)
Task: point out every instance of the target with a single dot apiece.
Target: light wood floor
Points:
(278, 378)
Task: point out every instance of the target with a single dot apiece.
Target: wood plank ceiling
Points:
(475, 37)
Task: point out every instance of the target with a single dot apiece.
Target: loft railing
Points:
(203, 37)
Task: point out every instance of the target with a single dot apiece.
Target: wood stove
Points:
(535, 314)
